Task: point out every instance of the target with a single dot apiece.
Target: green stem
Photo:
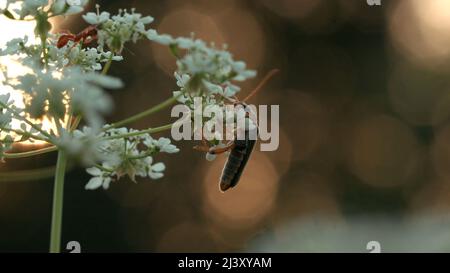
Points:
(31, 153)
(23, 133)
(144, 155)
(59, 127)
(103, 168)
(35, 127)
(107, 66)
(143, 114)
(75, 124)
(146, 131)
(8, 14)
(57, 211)
(44, 50)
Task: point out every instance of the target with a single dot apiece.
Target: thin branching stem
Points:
(143, 114)
(23, 133)
(26, 121)
(141, 132)
(31, 153)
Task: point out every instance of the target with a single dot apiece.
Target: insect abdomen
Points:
(235, 164)
(231, 168)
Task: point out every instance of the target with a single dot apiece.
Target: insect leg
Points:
(89, 40)
(204, 147)
(220, 150)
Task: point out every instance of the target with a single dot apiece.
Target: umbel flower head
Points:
(51, 93)
(39, 7)
(131, 156)
(204, 70)
(114, 31)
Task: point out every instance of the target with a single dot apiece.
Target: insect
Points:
(240, 150)
(87, 35)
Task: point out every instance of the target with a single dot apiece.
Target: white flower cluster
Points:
(81, 145)
(22, 51)
(5, 121)
(5, 115)
(209, 73)
(21, 131)
(29, 7)
(58, 7)
(72, 54)
(89, 58)
(130, 155)
(203, 70)
(68, 7)
(114, 31)
(14, 46)
(52, 93)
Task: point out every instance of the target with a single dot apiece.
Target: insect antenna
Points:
(129, 51)
(261, 84)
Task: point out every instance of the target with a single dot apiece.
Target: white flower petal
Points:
(106, 183)
(94, 171)
(94, 183)
(155, 175)
(158, 167)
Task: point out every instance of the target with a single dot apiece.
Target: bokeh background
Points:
(364, 95)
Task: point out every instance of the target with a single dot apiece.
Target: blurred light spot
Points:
(244, 36)
(282, 157)
(421, 30)
(432, 198)
(311, 16)
(306, 195)
(187, 237)
(308, 123)
(246, 204)
(383, 152)
(207, 6)
(230, 239)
